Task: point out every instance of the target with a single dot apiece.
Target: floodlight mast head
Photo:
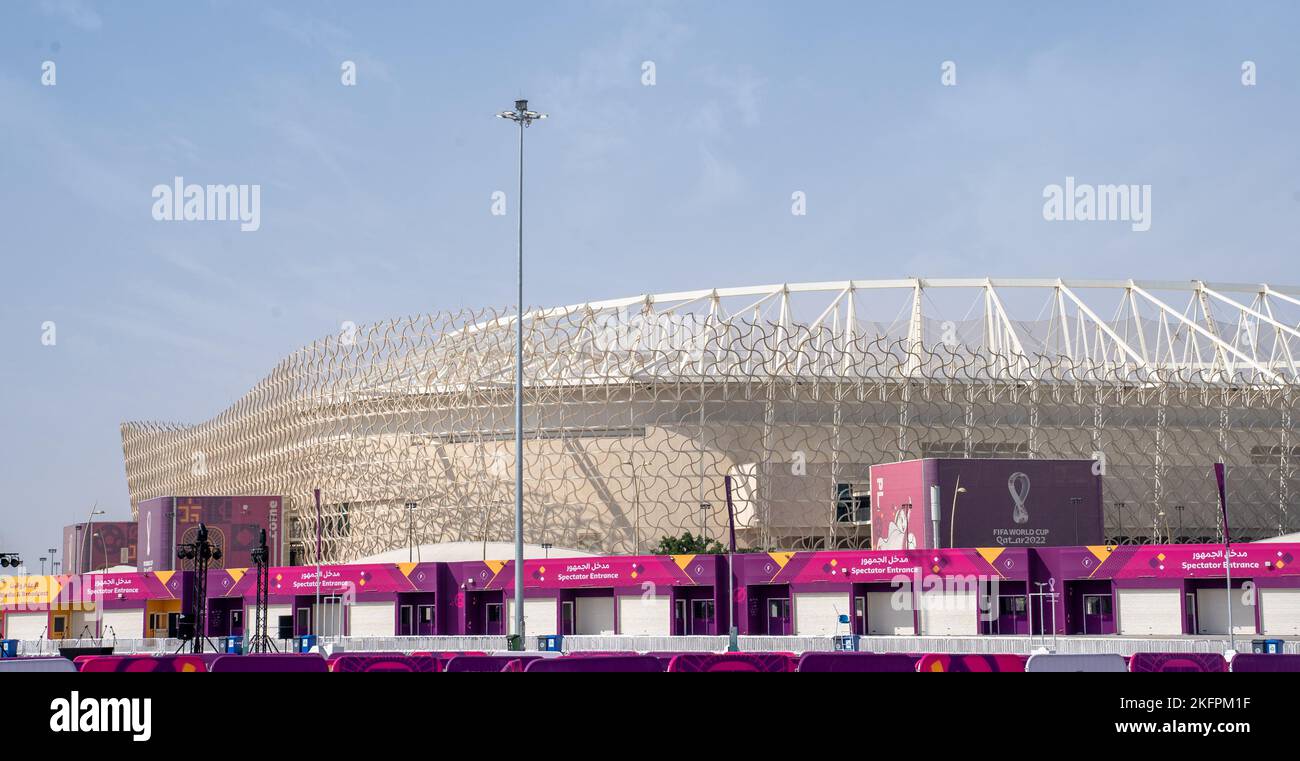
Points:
(521, 115)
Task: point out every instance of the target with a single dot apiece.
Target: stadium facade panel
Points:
(638, 409)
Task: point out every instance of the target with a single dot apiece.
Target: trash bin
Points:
(514, 642)
(305, 643)
(8, 648)
(848, 642)
(1268, 646)
(233, 645)
(550, 643)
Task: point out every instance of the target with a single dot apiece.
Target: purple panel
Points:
(235, 524)
(133, 663)
(597, 663)
(942, 662)
(104, 544)
(384, 662)
(277, 663)
(1165, 662)
(1258, 662)
(856, 662)
(1036, 503)
(154, 521)
(466, 663)
(752, 662)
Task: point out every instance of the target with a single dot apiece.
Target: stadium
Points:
(637, 409)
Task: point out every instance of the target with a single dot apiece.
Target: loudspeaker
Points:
(184, 628)
(286, 627)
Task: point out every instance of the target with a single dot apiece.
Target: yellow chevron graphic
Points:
(781, 558)
(406, 568)
(236, 573)
(683, 560)
(989, 553)
(1101, 552)
(163, 576)
(495, 565)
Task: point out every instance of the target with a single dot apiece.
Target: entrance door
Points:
(778, 616)
(406, 621)
(302, 624)
(567, 620)
(427, 618)
(1190, 626)
(237, 622)
(1012, 618)
(680, 624)
(1097, 615)
(495, 621)
(59, 626)
(702, 616)
(859, 615)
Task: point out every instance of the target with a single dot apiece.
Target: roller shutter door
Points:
(950, 612)
(595, 615)
(372, 619)
(26, 625)
(273, 613)
(1212, 613)
(1280, 611)
(650, 615)
(123, 624)
(882, 618)
(539, 617)
(1150, 611)
(816, 613)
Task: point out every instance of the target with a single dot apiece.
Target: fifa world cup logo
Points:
(1018, 485)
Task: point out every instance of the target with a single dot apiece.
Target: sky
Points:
(921, 135)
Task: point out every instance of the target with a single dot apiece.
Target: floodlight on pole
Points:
(524, 118)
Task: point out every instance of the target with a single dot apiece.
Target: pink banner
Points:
(333, 579)
(37, 592)
(567, 573)
(882, 565)
(1193, 561)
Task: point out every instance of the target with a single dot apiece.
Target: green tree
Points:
(688, 544)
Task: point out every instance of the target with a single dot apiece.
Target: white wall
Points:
(595, 615)
(1149, 611)
(882, 618)
(127, 623)
(26, 625)
(372, 619)
(1212, 612)
(1280, 611)
(539, 616)
(817, 613)
(950, 612)
(650, 615)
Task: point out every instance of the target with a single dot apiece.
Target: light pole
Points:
(1074, 503)
(102, 544)
(54, 566)
(524, 118)
(410, 536)
(636, 507)
(90, 527)
(952, 518)
(42, 566)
